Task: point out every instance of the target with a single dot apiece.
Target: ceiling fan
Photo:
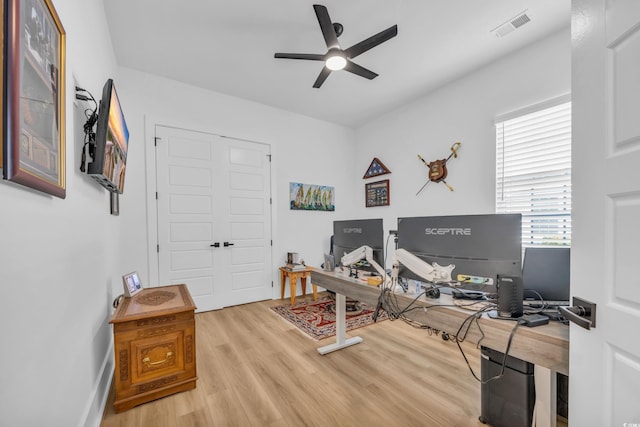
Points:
(337, 58)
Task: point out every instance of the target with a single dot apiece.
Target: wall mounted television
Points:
(109, 161)
(480, 246)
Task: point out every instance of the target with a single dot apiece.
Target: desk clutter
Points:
(456, 320)
(460, 277)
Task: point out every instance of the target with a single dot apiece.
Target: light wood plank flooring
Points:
(255, 369)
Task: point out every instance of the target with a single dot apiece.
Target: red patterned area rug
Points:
(317, 319)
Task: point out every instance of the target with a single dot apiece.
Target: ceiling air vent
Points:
(511, 25)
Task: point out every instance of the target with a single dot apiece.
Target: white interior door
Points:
(604, 372)
(214, 216)
(247, 217)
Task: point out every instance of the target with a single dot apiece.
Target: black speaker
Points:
(510, 296)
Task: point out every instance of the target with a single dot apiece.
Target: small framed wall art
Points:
(377, 193)
(376, 168)
(310, 197)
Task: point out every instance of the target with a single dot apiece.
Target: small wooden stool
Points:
(293, 282)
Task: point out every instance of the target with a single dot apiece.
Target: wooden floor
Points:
(256, 369)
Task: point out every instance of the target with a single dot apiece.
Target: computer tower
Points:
(507, 401)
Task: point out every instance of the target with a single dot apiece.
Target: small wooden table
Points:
(154, 345)
(293, 282)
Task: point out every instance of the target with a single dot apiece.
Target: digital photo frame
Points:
(131, 283)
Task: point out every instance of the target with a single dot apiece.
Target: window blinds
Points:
(533, 173)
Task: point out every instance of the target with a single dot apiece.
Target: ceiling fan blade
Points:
(309, 56)
(322, 77)
(371, 42)
(326, 26)
(354, 68)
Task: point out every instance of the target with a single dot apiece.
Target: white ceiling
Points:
(228, 45)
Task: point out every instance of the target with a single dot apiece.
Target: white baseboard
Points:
(92, 414)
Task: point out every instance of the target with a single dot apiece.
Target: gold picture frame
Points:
(34, 97)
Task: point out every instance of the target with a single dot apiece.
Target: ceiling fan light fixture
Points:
(336, 62)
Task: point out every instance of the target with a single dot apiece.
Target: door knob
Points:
(227, 244)
(215, 245)
(582, 313)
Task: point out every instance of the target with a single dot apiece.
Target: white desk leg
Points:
(545, 410)
(341, 328)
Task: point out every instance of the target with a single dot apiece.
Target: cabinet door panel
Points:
(157, 356)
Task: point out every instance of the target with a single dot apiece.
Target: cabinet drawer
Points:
(155, 357)
(148, 361)
(157, 322)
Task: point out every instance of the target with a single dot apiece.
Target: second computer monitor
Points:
(546, 274)
(349, 235)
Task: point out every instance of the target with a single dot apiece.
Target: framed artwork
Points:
(34, 93)
(377, 193)
(309, 197)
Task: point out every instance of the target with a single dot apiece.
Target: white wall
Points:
(303, 150)
(58, 264)
(62, 260)
(461, 111)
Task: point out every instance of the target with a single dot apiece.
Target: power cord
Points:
(89, 134)
(390, 304)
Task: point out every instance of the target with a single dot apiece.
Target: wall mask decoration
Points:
(438, 168)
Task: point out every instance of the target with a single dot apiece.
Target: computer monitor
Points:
(546, 274)
(349, 235)
(480, 246)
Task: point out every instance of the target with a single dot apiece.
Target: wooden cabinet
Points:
(154, 345)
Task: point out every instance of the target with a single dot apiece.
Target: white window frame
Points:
(533, 170)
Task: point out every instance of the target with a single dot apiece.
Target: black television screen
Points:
(480, 246)
(112, 139)
(349, 235)
(546, 274)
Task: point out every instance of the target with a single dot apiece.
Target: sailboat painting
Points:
(308, 197)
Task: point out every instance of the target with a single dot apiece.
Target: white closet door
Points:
(214, 216)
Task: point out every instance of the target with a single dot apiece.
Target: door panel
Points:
(213, 190)
(246, 206)
(249, 221)
(605, 361)
(191, 232)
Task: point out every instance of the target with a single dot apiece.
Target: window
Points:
(533, 171)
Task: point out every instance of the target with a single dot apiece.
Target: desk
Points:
(547, 347)
(293, 282)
